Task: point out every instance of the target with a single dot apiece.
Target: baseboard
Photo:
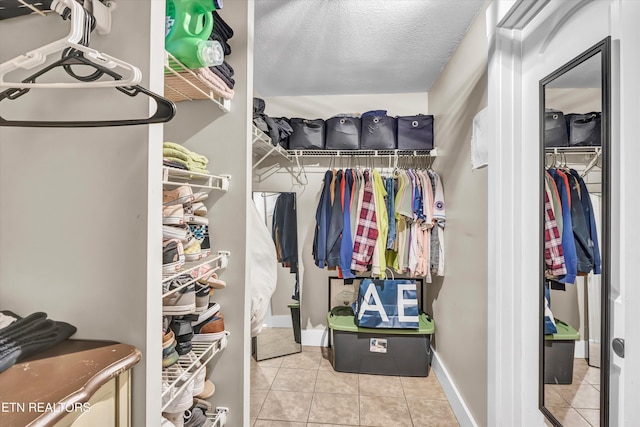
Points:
(459, 407)
(581, 350)
(315, 337)
(282, 321)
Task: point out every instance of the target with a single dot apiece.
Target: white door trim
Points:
(512, 361)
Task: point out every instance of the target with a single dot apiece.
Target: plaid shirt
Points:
(553, 253)
(367, 232)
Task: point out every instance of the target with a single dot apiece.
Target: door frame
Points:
(512, 371)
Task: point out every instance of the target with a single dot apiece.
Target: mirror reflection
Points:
(573, 226)
(280, 333)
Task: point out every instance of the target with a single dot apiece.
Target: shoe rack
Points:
(175, 382)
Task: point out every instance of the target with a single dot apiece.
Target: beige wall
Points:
(459, 300)
(574, 100)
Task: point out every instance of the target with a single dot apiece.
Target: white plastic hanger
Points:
(130, 73)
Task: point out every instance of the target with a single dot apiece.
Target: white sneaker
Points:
(200, 374)
(179, 402)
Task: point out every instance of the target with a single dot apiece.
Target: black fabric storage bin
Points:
(307, 134)
(555, 129)
(407, 352)
(415, 132)
(584, 129)
(378, 133)
(342, 133)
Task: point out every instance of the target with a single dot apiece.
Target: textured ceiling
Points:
(322, 47)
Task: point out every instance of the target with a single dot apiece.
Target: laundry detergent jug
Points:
(189, 24)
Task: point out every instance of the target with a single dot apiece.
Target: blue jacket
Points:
(568, 241)
(591, 222)
(323, 218)
(336, 225)
(346, 245)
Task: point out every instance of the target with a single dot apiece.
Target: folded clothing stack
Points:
(175, 155)
(278, 129)
(23, 337)
(222, 32)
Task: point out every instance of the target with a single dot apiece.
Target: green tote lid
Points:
(565, 332)
(346, 322)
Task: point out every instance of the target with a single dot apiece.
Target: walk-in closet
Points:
(259, 213)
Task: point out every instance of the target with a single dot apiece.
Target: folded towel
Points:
(175, 160)
(189, 165)
(216, 83)
(199, 158)
(192, 154)
(226, 68)
(174, 164)
(170, 152)
(226, 79)
(215, 36)
(178, 147)
(30, 335)
(223, 27)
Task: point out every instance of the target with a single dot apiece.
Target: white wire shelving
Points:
(176, 177)
(176, 379)
(573, 150)
(363, 153)
(262, 146)
(182, 84)
(216, 263)
(219, 418)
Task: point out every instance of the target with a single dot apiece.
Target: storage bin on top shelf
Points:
(373, 130)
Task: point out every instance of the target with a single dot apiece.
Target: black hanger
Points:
(165, 111)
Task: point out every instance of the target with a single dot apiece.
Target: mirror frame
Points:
(604, 49)
(254, 340)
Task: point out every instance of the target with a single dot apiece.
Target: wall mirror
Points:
(280, 334)
(574, 224)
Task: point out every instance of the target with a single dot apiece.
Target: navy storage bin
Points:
(307, 134)
(555, 129)
(342, 133)
(378, 133)
(415, 132)
(584, 129)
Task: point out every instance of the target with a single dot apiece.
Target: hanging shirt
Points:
(346, 245)
(379, 262)
(334, 235)
(323, 217)
(568, 242)
(587, 207)
(584, 245)
(367, 232)
(555, 200)
(553, 254)
(437, 232)
(391, 210)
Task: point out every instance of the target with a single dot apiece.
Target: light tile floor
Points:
(576, 404)
(303, 390)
